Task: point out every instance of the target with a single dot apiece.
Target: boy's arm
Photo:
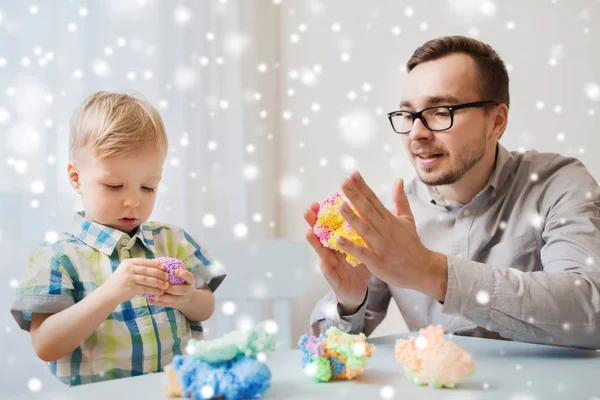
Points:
(201, 305)
(196, 304)
(56, 335)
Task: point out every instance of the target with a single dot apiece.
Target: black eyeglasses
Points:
(436, 118)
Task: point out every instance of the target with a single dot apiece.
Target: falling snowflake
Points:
(251, 172)
(356, 128)
(262, 68)
(235, 44)
(212, 145)
(245, 324)
(387, 392)
(34, 385)
(182, 15)
(348, 163)
(421, 342)
(533, 177)
(257, 217)
(207, 392)
(228, 308)
(483, 297)
(536, 221)
(308, 77)
(37, 187)
(51, 236)
(310, 369)
(290, 187)
(209, 220)
(185, 77)
(271, 327)
(592, 91)
(240, 230)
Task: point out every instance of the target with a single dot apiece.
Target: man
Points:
(485, 242)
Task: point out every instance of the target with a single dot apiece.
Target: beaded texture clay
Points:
(429, 359)
(335, 355)
(330, 224)
(231, 367)
(170, 265)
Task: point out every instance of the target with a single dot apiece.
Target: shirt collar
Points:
(503, 169)
(104, 238)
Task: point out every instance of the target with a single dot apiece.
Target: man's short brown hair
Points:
(493, 77)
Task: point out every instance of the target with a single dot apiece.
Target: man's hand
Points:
(348, 283)
(394, 252)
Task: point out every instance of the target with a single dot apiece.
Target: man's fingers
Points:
(330, 274)
(322, 251)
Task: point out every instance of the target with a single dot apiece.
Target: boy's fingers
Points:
(147, 263)
(148, 271)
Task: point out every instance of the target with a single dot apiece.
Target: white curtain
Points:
(210, 69)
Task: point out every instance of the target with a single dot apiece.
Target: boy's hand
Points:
(177, 296)
(137, 276)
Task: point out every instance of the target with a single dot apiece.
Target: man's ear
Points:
(74, 176)
(500, 122)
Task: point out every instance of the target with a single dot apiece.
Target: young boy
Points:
(81, 299)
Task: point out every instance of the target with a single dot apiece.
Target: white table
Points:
(503, 370)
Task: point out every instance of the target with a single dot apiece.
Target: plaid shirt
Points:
(137, 337)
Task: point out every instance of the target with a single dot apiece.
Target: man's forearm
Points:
(434, 279)
(559, 308)
(200, 307)
(60, 334)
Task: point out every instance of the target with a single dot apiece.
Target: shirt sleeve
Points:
(559, 305)
(47, 287)
(197, 260)
(368, 316)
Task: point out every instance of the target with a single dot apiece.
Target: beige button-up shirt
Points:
(523, 258)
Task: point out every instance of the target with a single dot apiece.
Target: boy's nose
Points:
(131, 202)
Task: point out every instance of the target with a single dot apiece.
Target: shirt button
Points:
(459, 255)
(342, 327)
(124, 242)
(493, 195)
(467, 212)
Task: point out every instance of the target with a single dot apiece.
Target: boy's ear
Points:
(73, 176)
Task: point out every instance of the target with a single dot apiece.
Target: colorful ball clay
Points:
(335, 355)
(231, 367)
(431, 360)
(330, 224)
(170, 265)
(241, 378)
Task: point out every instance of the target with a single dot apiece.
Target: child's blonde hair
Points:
(116, 123)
